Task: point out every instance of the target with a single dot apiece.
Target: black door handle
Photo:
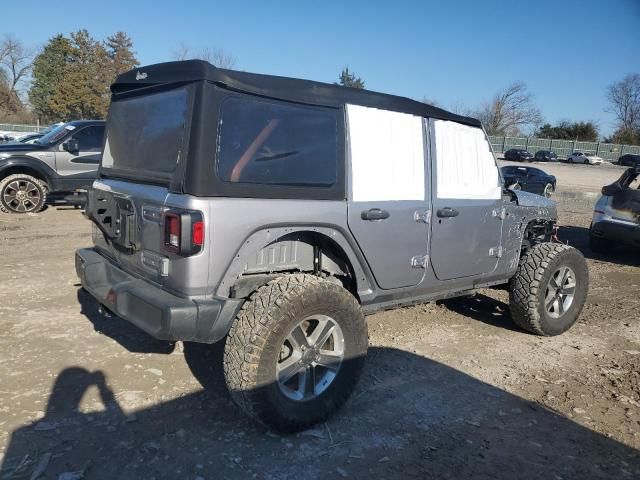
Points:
(374, 214)
(447, 212)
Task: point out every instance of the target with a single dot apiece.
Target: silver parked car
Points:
(273, 214)
(616, 216)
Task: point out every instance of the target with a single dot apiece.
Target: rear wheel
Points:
(295, 352)
(548, 190)
(21, 193)
(549, 289)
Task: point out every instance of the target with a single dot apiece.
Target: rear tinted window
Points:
(273, 143)
(146, 133)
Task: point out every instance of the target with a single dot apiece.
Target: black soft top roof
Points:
(83, 123)
(283, 88)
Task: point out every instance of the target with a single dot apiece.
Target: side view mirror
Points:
(71, 146)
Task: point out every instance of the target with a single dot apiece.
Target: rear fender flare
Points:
(262, 238)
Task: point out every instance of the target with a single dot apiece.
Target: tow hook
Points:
(554, 234)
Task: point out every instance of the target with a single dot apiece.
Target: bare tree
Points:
(215, 56)
(624, 102)
(15, 64)
(218, 57)
(182, 52)
(510, 111)
(459, 108)
(429, 101)
(16, 61)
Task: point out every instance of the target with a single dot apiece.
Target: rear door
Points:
(467, 202)
(388, 207)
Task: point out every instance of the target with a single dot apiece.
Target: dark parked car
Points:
(629, 160)
(518, 155)
(546, 156)
(529, 179)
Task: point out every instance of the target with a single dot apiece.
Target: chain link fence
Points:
(563, 148)
(16, 128)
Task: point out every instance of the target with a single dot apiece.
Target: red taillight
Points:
(172, 231)
(197, 233)
(183, 232)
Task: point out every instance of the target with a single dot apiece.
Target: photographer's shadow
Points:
(409, 417)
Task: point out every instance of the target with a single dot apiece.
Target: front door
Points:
(467, 206)
(84, 161)
(388, 204)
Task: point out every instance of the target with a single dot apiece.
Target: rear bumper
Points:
(159, 313)
(617, 232)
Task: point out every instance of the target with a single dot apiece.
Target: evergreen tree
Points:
(349, 79)
(120, 51)
(584, 131)
(72, 76)
(48, 73)
(83, 92)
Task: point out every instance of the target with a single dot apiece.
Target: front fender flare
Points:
(25, 161)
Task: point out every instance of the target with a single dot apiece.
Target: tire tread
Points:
(526, 284)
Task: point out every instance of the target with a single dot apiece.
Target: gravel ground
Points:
(450, 390)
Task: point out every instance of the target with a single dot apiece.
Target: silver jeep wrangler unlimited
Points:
(275, 213)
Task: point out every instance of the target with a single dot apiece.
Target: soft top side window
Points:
(276, 143)
(466, 168)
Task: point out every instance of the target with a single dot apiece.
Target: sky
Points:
(458, 53)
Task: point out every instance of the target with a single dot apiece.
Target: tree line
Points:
(69, 78)
(512, 112)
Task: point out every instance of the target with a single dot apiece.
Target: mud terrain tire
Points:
(261, 331)
(539, 292)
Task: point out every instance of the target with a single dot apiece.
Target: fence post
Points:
(526, 144)
(574, 147)
(597, 148)
(550, 143)
(621, 150)
(503, 142)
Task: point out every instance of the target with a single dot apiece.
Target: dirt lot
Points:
(451, 390)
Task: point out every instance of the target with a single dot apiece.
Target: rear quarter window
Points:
(275, 143)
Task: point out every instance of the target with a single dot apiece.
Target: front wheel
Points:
(295, 352)
(21, 193)
(549, 289)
